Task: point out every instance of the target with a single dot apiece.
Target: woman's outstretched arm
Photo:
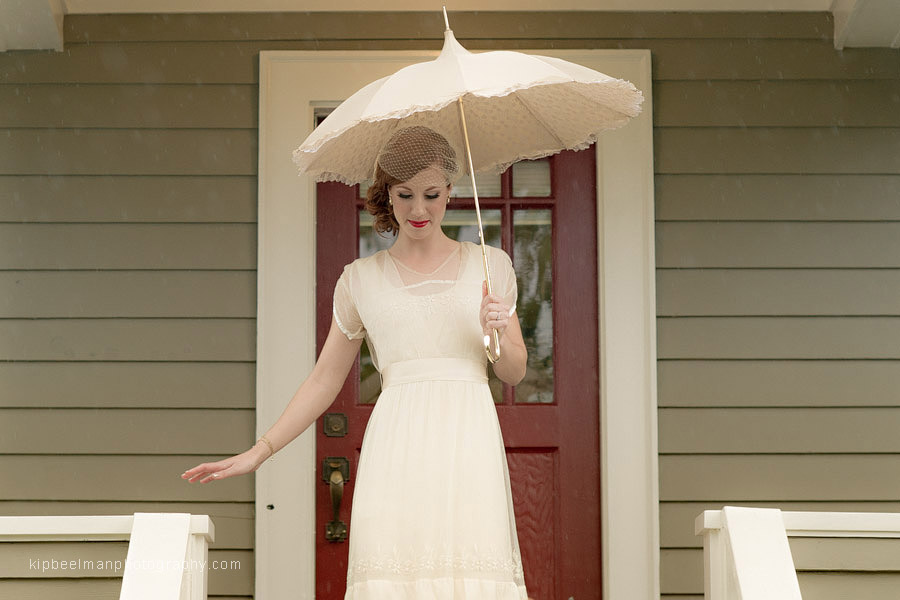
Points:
(312, 398)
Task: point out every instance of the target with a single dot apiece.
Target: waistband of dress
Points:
(433, 369)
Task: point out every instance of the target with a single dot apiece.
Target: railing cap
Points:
(83, 527)
(819, 524)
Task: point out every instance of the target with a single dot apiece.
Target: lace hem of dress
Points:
(432, 565)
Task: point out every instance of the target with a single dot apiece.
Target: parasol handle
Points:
(491, 350)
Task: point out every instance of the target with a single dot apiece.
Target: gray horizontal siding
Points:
(779, 338)
(777, 197)
(740, 149)
(777, 206)
(114, 339)
(823, 569)
(237, 63)
(128, 152)
(779, 477)
(123, 477)
(128, 293)
(127, 384)
(127, 199)
(781, 292)
(130, 106)
(48, 589)
(859, 586)
(778, 103)
(125, 431)
(779, 430)
(760, 383)
(678, 103)
(778, 245)
(61, 246)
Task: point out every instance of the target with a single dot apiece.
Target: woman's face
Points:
(421, 202)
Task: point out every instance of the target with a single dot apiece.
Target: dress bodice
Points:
(405, 314)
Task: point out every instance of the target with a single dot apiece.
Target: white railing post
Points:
(746, 555)
(167, 552)
(714, 562)
(719, 579)
(198, 556)
(157, 541)
(165, 559)
(761, 555)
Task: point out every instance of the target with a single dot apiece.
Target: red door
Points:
(543, 213)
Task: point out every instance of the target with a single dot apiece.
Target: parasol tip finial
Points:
(446, 20)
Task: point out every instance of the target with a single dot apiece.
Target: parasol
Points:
(508, 106)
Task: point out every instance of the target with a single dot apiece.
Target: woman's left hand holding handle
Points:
(494, 313)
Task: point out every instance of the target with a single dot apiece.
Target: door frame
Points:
(286, 315)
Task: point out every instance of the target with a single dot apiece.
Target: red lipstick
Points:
(418, 223)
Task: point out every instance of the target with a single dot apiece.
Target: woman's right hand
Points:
(239, 464)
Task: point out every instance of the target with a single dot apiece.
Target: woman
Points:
(432, 513)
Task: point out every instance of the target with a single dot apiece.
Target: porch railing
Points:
(167, 552)
(746, 554)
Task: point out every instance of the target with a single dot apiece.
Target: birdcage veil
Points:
(411, 150)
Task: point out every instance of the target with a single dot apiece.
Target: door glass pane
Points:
(533, 262)
(488, 186)
(531, 179)
(461, 225)
(371, 241)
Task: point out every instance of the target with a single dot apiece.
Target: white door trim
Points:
(291, 84)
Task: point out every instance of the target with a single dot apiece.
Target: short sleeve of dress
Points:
(344, 307)
(503, 278)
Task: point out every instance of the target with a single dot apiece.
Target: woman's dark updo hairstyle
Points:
(409, 151)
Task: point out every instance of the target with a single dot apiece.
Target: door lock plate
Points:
(335, 424)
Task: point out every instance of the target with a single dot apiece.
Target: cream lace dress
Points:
(432, 514)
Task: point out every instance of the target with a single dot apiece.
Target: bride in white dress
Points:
(432, 514)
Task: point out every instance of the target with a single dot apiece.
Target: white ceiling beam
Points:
(866, 23)
(31, 25)
(38, 24)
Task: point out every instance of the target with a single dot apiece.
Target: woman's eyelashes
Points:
(404, 196)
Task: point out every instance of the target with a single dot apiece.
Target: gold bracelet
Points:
(269, 444)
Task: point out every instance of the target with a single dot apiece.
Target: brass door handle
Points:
(336, 472)
(337, 492)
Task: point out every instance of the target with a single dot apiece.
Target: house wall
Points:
(128, 255)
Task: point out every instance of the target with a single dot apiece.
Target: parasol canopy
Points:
(520, 106)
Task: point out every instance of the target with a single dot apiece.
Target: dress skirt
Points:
(432, 514)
